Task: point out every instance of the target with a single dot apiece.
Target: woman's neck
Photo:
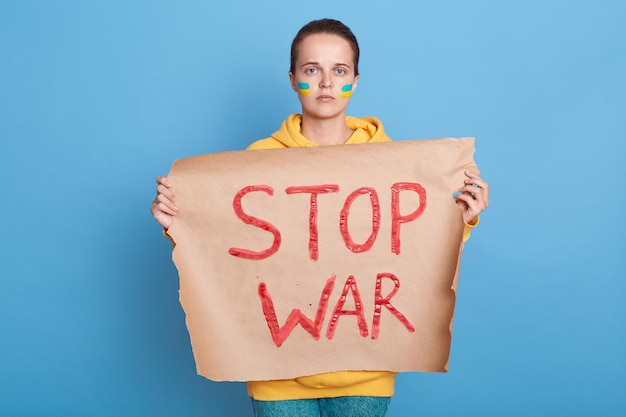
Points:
(333, 131)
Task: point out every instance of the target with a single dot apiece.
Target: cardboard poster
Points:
(301, 261)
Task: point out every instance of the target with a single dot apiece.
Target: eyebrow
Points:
(340, 64)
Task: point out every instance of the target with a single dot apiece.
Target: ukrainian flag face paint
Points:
(304, 89)
(346, 90)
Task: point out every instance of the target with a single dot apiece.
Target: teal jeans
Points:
(324, 407)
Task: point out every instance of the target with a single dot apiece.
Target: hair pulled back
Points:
(325, 26)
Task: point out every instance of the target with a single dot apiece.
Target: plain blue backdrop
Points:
(99, 97)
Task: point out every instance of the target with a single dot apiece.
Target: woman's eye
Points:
(341, 71)
(310, 70)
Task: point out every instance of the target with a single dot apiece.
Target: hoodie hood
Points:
(366, 130)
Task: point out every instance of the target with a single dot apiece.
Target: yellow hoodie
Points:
(333, 384)
(366, 130)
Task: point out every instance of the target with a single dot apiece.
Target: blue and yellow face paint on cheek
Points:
(304, 89)
(346, 90)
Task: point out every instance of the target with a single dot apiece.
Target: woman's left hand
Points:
(473, 197)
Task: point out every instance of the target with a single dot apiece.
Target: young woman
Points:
(324, 73)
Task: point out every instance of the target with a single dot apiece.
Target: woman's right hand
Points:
(163, 208)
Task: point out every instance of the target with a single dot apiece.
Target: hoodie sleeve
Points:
(468, 228)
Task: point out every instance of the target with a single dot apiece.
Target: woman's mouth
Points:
(325, 98)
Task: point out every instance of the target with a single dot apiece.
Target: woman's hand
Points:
(473, 197)
(163, 208)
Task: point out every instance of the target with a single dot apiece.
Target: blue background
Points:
(97, 98)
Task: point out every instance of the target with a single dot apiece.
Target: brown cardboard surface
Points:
(373, 285)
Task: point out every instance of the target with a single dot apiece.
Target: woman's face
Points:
(324, 76)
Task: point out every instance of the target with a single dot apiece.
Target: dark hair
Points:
(325, 26)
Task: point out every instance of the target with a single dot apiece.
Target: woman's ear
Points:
(292, 81)
(355, 83)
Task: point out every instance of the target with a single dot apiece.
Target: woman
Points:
(324, 73)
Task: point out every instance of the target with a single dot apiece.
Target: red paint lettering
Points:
(345, 212)
(262, 224)
(339, 311)
(279, 334)
(396, 218)
(314, 190)
(379, 302)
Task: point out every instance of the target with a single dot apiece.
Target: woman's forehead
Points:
(326, 48)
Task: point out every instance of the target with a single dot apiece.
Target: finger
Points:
(162, 199)
(164, 220)
(471, 174)
(163, 180)
(159, 210)
(482, 198)
(477, 195)
(461, 204)
(472, 190)
(476, 203)
(468, 199)
(471, 208)
(473, 178)
(163, 190)
(480, 193)
(166, 209)
(478, 182)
